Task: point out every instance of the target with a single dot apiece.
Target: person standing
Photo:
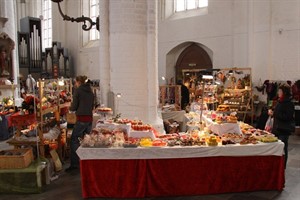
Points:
(83, 105)
(283, 115)
(185, 95)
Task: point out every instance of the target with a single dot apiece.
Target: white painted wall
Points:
(8, 10)
(125, 60)
(241, 34)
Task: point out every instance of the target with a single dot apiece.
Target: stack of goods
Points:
(219, 119)
(140, 126)
(231, 138)
(232, 118)
(213, 141)
(131, 142)
(49, 101)
(223, 108)
(103, 138)
(6, 106)
(64, 97)
(193, 125)
(138, 136)
(104, 109)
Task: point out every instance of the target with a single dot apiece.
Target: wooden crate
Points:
(16, 161)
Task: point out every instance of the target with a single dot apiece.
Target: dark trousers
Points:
(80, 129)
(284, 139)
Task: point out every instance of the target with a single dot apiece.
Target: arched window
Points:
(184, 5)
(94, 13)
(91, 9)
(47, 24)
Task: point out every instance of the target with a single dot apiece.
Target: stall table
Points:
(180, 171)
(220, 129)
(25, 180)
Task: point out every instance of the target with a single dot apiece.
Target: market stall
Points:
(222, 155)
(177, 171)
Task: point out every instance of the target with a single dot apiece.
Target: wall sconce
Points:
(118, 95)
(83, 19)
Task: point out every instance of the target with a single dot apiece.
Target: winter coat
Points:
(83, 100)
(284, 118)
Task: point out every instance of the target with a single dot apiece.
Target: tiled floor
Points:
(68, 187)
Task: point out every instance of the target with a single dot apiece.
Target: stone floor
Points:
(68, 186)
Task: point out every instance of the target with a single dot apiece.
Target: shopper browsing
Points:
(82, 104)
(283, 117)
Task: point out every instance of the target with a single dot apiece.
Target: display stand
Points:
(170, 94)
(39, 118)
(235, 91)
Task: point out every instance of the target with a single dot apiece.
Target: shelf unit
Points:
(39, 117)
(237, 92)
(170, 94)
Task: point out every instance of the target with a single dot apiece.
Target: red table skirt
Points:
(180, 177)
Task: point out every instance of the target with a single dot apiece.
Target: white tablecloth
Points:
(176, 116)
(112, 126)
(260, 149)
(222, 128)
(142, 134)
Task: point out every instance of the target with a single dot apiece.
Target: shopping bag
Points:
(269, 124)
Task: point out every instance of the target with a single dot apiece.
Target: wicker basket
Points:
(20, 158)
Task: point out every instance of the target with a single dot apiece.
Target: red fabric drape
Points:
(22, 120)
(113, 178)
(180, 177)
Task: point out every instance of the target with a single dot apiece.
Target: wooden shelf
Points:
(39, 118)
(237, 90)
(8, 87)
(65, 105)
(24, 142)
(49, 110)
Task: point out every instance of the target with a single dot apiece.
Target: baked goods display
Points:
(223, 108)
(105, 138)
(146, 142)
(268, 138)
(232, 118)
(212, 141)
(142, 127)
(104, 109)
(159, 143)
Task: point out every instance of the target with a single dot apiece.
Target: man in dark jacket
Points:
(185, 95)
(283, 124)
(83, 105)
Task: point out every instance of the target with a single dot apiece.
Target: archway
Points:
(193, 58)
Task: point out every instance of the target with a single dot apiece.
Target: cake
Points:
(232, 118)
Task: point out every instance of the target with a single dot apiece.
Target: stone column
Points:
(104, 53)
(8, 13)
(133, 58)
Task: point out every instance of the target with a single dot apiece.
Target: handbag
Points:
(71, 118)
